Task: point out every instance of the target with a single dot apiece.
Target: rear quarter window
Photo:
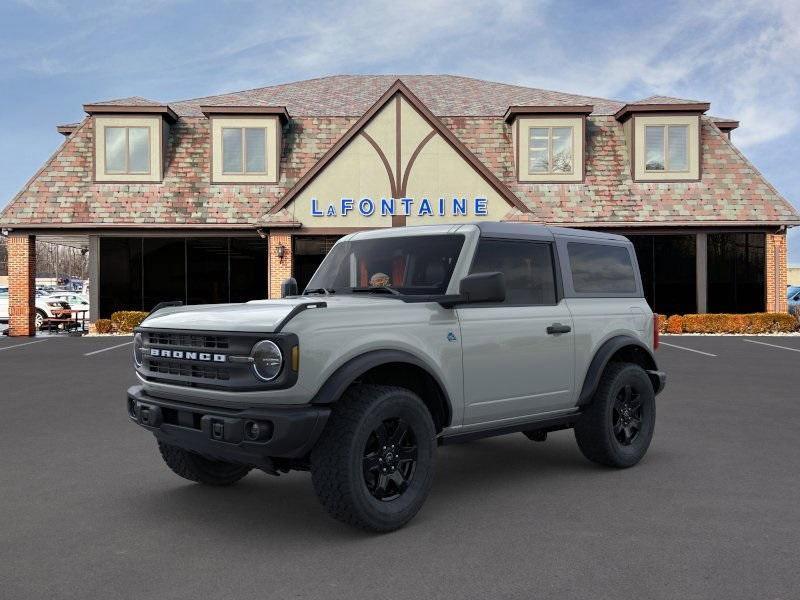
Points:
(601, 269)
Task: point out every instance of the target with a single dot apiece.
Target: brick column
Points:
(21, 284)
(279, 269)
(775, 273)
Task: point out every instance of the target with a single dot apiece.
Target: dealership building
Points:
(219, 199)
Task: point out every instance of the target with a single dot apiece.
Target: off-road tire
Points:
(337, 461)
(197, 468)
(595, 432)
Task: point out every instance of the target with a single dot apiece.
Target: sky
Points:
(742, 56)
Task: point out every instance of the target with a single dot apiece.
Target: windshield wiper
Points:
(384, 289)
(321, 290)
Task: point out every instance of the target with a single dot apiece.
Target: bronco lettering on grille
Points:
(180, 354)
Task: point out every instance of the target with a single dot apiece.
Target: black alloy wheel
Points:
(390, 459)
(627, 415)
(617, 426)
(373, 465)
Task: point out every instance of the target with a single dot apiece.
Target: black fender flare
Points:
(608, 349)
(345, 375)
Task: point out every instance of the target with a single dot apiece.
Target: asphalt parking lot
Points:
(88, 510)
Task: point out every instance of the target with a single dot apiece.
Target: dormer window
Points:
(129, 140)
(666, 148)
(548, 142)
(244, 150)
(245, 143)
(550, 150)
(127, 150)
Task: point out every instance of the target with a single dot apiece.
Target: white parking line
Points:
(688, 349)
(109, 348)
(771, 345)
(20, 345)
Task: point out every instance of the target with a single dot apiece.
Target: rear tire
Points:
(197, 468)
(373, 466)
(617, 427)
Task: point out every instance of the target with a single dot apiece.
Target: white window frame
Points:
(127, 129)
(665, 148)
(550, 129)
(243, 129)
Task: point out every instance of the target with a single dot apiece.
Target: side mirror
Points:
(482, 287)
(289, 287)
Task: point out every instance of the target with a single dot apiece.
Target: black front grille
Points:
(188, 340)
(203, 359)
(184, 369)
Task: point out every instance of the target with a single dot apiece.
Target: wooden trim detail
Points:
(384, 160)
(630, 109)
(131, 109)
(398, 87)
(279, 111)
(515, 111)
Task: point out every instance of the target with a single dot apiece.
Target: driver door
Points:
(514, 368)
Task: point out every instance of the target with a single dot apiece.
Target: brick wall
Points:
(776, 271)
(279, 269)
(21, 284)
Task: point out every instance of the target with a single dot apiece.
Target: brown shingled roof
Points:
(130, 101)
(352, 95)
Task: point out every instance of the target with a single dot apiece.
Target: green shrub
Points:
(103, 326)
(124, 321)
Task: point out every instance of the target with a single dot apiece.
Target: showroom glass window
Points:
(527, 268)
(244, 150)
(736, 265)
(668, 266)
(601, 269)
(137, 273)
(550, 150)
(666, 148)
(127, 150)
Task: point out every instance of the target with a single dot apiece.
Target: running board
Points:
(541, 424)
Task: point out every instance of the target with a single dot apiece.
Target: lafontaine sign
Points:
(422, 207)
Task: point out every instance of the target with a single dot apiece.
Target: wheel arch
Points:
(391, 367)
(621, 348)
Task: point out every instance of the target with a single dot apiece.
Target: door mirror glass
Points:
(483, 287)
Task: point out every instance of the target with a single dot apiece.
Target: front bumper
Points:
(226, 434)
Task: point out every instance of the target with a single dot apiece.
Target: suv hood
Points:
(255, 316)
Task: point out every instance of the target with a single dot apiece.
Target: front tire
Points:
(618, 425)
(39, 318)
(373, 466)
(197, 468)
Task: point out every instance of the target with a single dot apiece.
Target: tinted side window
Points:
(601, 269)
(527, 266)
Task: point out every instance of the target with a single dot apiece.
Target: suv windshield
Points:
(406, 264)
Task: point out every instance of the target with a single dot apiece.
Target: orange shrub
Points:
(674, 324)
(662, 323)
(728, 323)
(103, 326)
(124, 321)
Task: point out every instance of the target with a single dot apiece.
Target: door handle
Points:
(558, 328)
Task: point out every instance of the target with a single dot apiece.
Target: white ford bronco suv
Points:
(406, 339)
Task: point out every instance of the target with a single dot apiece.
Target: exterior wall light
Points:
(280, 251)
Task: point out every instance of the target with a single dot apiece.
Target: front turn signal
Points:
(295, 358)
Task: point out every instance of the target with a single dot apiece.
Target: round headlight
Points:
(267, 360)
(138, 347)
